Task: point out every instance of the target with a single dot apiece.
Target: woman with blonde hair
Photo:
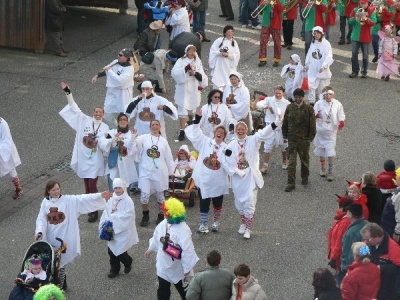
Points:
(363, 277)
(374, 197)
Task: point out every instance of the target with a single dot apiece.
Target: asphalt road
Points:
(288, 240)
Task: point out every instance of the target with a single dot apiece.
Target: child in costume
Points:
(120, 211)
(354, 192)
(293, 72)
(386, 180)
(387, 64)
(184, 162)
(172, 269)
(33, 273)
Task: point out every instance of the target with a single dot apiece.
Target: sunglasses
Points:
(119, 54)
(217, 97)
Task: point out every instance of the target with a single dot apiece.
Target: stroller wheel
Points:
(65, 284)
(192, 197)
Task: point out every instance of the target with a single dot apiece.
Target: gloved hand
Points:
(332, 263)
(188, 67)
(341, 125)
(228, 152)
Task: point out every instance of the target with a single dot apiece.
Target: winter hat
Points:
(174, 211)
(172, 56)
(356, 210)
(389, 165)
(227, 27)
(119, 182)
(146, 84)
(319, 28)
(298, 92)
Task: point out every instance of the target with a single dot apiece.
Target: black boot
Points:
(181, 136)
(93, 216)
(145, 219)
(160, 218)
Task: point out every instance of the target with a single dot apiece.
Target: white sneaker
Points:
(258, 27)
(285, 165)
(203, 228)
(247, 233)
(242, 229)
(322, 172)
(244, 26)
(215, 227)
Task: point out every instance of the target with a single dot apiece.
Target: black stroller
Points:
(50, 263)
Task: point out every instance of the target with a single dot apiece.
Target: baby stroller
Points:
(50, 263)
(182, 186)
(257, 115)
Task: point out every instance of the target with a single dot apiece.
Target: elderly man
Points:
(385, 253)
(298, 129)
(212, 283)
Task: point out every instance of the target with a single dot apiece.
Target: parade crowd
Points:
(125, 140)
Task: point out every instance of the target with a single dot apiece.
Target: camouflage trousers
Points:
(302, 148)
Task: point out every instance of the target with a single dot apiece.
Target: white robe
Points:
(243, 187)
(224, 114)
(293, 77)
(325, 139)
(277, 106)
(220, 66)
(123, 219)
(68, 230)
(212, 183)
(143, 126)
(125, 167)
(241, 109)
(173, 270)
(318, 56)
(119, 87)
(179, 22)
(9, 157)
(154, 173)
(84, 161)
(187, 94)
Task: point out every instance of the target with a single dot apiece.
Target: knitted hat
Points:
(355, 209)
(174, 211)
(227, 27)
(389, 165)
(172, 56)
(119, 182)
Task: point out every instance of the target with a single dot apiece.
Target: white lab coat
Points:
(318, 56)
(224, 115)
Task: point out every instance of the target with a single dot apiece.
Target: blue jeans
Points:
(199, 20)
(375, 44)
(340, 276)
(248, 6)
(355, 49)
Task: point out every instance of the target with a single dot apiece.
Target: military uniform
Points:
(299, 128)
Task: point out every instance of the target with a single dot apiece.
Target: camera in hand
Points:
(224, 49)
(164, 240)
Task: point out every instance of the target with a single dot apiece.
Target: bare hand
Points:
(225, 54)
(38, 236)
(199, 111)
(63, 85)
(147, 254)
(396, 237)
(164, 90)
(191, 73)
(94, 79)
(285, 141)
(160, 107)
(143, 95)
(106, 195)
(321, 70)
(134, 131)
(107, 68)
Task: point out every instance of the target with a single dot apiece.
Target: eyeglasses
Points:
(217, 97)
(119, 54)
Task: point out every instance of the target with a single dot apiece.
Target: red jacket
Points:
(292, 14)
(330, 18)
(396, 20)
(335, 235)
(362, 281)
(385, 180)
(363, 202)
(350, 7)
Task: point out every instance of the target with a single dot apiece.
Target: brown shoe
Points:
(289, 47)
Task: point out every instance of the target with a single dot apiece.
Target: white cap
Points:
(318, 28)
(146, 84)
(119, 182)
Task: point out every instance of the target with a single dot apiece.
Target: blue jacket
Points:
(159, 13)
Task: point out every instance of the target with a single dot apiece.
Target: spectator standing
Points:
(178, 18)
(299, 130)
(54, 9)
(386, 180)
(246, 286)
(226, 9)
(374, 197)
(213, 283)
(199, 18)
(324, 285)
(288, 17)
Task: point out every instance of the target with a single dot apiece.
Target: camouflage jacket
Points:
(299, 123)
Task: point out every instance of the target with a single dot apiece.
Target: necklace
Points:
(242, 162)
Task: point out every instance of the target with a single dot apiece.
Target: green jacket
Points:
(299, 123)
(203, 6)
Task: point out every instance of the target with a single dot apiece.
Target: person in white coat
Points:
(330, 119)
(241, 162)
(208, 168)
(293, 72)
(58, 218)
(274, 107)
(178, 18)
(9, 158)
(172, 270)
(216, 114)
(87, 159)
(119, 85)
(224, 58)
(120, 211)
(156, 164)
(188, 73)
(237, 98)
(121, 146)
(150, 106)
(318, 60)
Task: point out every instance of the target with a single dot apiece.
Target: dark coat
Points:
(182, 40)
(330, 294)
(374, 204)
(146, 41)
(53, 15)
